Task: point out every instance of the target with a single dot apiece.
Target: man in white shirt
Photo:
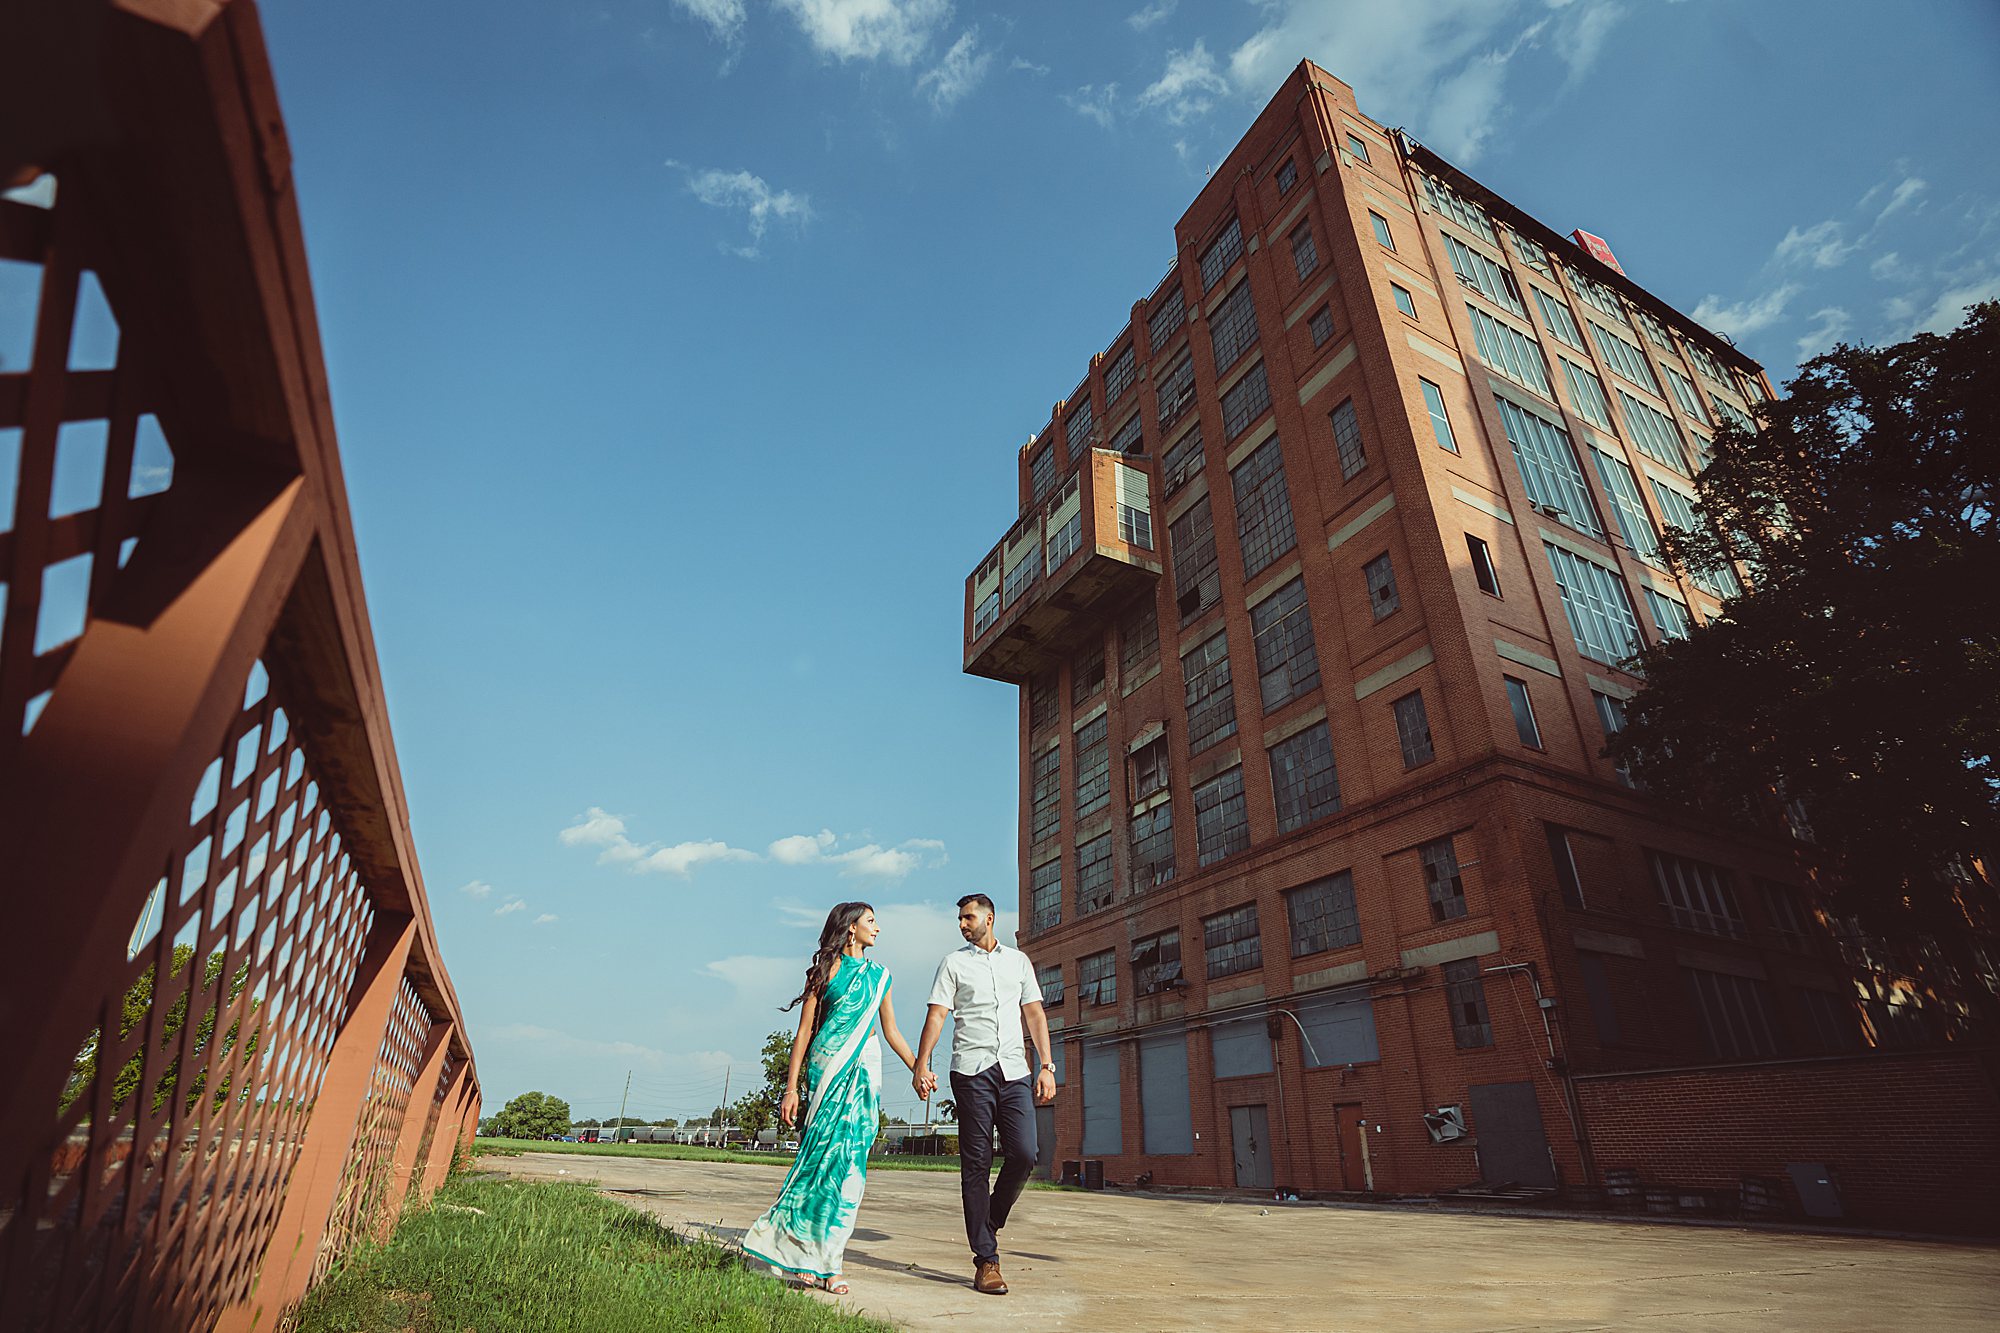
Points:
(991, 988)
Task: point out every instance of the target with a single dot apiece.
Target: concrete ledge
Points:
(1450, 951)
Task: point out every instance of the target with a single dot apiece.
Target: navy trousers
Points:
(986, 1100)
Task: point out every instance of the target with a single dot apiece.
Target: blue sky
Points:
(680, 350)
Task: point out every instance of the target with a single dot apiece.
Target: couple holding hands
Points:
(992, 991)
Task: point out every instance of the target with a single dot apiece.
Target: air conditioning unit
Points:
(1446, 1124)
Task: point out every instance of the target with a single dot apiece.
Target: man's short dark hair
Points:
(981, 899)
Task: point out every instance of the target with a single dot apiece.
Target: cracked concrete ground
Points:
(1137, 1262)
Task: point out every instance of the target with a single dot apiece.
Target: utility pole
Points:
(620, 1122)
(726, 1069)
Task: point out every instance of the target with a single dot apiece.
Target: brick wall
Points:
(1910, 1136)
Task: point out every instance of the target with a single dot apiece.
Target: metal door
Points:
(1250, 1139)
(1507, 1120)
(1347, 1127)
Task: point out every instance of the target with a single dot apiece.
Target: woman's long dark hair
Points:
(832, 941)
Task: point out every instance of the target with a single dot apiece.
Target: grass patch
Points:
(553, 1258)
(690, 1152)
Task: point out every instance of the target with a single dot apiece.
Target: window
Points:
(1263, 508)
(1150, 768)
(1624, 358)
(1656, 332)
(1183, 460)
(1221, 253)
(1138, 640)
(1156, 963)
(1735, 416)
(1086, 677)
(1046, 805)
(1669, 613)
(1067, 540)
(1044, 704)
(1510, 352)
(1045, 895)
(1118, 376)
(1093, 766)
(1404, 301)
(1783, 909)
(1130, 438)
(1734, 1014)
(1167, 318)
(1250, 399)
(1634, 523)
(1232, 327)
(1197, 578)
(1594, 601)
(1176, 390)
(1413, 730)
(1596, 294)
(1211, 702)
(1381, 225)
(1076, 430)
(1586, 394)
(1611, 717)
(1381, 576)
(1446, 201)
(1548, 467)
(1153, 846)
(1042, 472)
(1347, 439)
(1597, 986)
(1654, 432)
(1685, 395)
(1303, 777)
(1442, 884)
(1830, 1019)
(1563, 857)
(1230, 944)
(1483, 571)
(1440, 421)
(1135, 506)
(1465, 992)
(1221, 821)
(1555, 314)
(1287, 661)
(1305, 255)
(1705, 362)
(1323, 916)
(1697, 896)
(1097, 978)
(1321, 326)
(1483, 275)
(1356, 147)
(1679, 512)
(1049, 980)
(1531, 254)
(1288, 176)
(1093, 875)
(1523, 709)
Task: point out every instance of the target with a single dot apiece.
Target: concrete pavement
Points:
(1127, 1262)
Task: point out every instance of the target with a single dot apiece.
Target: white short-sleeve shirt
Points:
(985, 991)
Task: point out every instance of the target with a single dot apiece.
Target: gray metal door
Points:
(1250, 1139)
(1507, 1120)
(1045, 1142)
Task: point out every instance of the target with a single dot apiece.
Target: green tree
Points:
(947, 1109)
(532, 1115)
(666, 1124)
(757, 1110)
(138, 1002)
(1858, 679)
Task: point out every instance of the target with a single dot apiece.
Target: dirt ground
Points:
(1136, 1262)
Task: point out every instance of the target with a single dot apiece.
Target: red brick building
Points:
(1316, 602)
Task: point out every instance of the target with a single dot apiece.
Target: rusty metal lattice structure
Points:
(231, 1048)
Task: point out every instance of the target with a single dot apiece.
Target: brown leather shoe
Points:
(986, 1279)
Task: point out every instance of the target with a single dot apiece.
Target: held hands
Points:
(1045, 1087)
(924, 1081)
(788, 1109)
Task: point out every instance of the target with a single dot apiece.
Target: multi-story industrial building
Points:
(1317, 601)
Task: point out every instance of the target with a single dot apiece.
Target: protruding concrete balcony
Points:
(1081, 554)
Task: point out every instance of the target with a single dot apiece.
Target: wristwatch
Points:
(1051, 1068)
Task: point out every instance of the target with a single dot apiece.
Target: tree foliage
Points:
(1858, 677)
(757, 1110)
(532, 1115)
(135, 1007)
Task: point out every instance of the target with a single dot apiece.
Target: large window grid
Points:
(1042, 472)
(1347, 440)
(1304, 779)
(1223, 251)
(1046, 796)
(1250, 399)
(1654, 432)
(1669, 613)
(1049, 981)
(1596, 605)
(1067, 540)
(1120, 374)
(1156, 963)
(1586, 393)
(1135, 506)
(1543, 452)
(1380, 576)
(1076, 430)
(1230, 943)
(1465, 992)
(1323, 915)
(1697, 896)
(1045, 895)
(1628, 508)
(1138, 640)
(1044, 701)
(1305, 255)
(1165, 321)
(1321, 325)
(1093, 767)
(1130, 438)
(1446, 201)
(1183, 460)
(1530, 252)
(1233, 327)
(1153, 847)
(1221, 820)
(1197, 574)
(1443, 885)
(1596, 295)
(1686, 396)
(1735, 1014)
(1483, 275)
(1176, 390)
(1413, 729)
(1211, 700)
(1705, 362)
(1288, 176)
(1150, 765)
(1097, 978)
(1735, 415)
(1093, 875)
(1556, 314)
(1656, 332)
(1287, 661)
(1263, 508)
(1611, 717)
(1679, 512)
(1624, 358)
(1086, 676)
(1509, 351)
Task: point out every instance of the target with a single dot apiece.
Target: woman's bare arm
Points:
(893, 1036)
(788, 1108)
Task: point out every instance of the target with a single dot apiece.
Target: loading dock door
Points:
(1507, 1119)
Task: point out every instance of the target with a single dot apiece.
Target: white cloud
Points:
(1906, 190)
(961, 70)
(1948, 311)
(548, 1042)
(1018, 63)
(1831, 326)
(1094, 101)
(477, 888)
(741, 191)
(606, 832)
(1886, 267)
(759, 975)
(511, 906)
(681, 858)
(1744, 318)
(1157, 12)
(546, 918)
(723, 17)
(596, 828)
(1581, 31)
(802, 848)
(892, 30)
(1820, 245)
(1188, 87)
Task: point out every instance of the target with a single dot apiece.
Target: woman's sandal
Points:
(833, 1286)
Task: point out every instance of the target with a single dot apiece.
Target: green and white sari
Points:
(807, 1229)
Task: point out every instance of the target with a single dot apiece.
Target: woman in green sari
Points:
(845, 997)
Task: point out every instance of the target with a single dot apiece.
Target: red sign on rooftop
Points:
(1599, 248)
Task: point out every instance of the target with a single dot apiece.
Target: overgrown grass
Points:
(553, 1258)
(690, 1152)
